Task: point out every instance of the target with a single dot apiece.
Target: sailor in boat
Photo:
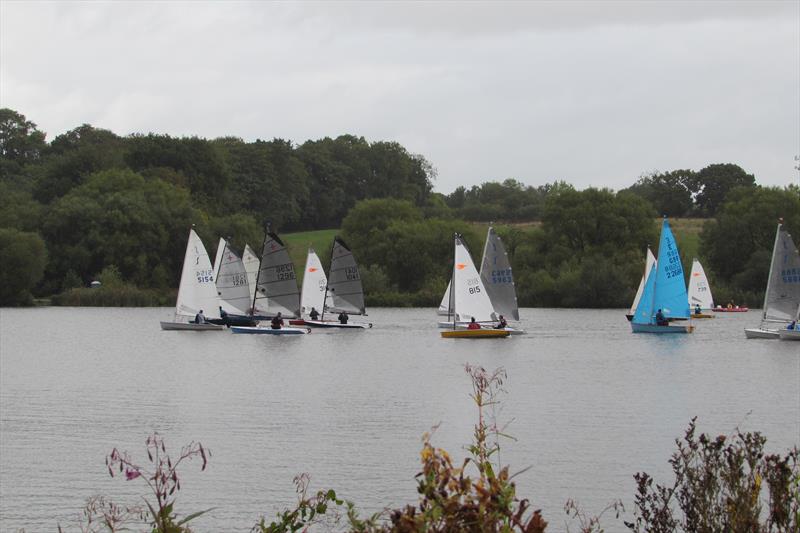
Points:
(502, 324)
(314, 314)
(343, 318)
(660, 320)
(200, 318)
(792, 326)
(697, 310)
(223, 314)
(277, 321)
(473, 324)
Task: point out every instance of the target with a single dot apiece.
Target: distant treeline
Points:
(91, 203)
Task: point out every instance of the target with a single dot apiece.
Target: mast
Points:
(258, 273)
(325, 299)
(452, 301)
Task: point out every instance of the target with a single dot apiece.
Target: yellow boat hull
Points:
(475, 333)
(702, 315)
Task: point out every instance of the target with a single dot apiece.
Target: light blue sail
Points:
(670, 285)
(645, 313)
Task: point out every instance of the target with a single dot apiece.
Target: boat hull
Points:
(731, 309)
(235, 320)
(269, 331)
(670, 328)
(759, 333)
(701, 315)
(338, 325)
(789, 334)
(463, 326)
(184, 326)
(475, 334)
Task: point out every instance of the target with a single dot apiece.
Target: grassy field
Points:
(299, 243)
(687, 233)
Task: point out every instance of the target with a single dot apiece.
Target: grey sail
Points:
(783, 285)
(497, 277)
(232, 286)
(344, 281)
(276, 286)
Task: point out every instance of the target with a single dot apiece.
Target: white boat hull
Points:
(759, 333)
(789, 334)
(260, 330)
(670, 328)
(184, 326)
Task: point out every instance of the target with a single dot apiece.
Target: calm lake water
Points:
(589, 403)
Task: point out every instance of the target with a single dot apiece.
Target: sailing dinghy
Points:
(699, 292)
(469, 299)
(782, 296)
(344, 293)
(498, 280)
(664, 292)
(196, 291)
(276, 289)
(232, 288)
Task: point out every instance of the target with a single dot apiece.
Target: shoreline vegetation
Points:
(91, 200)
(722, 483)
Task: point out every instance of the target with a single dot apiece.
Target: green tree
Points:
(737, 245)
(670, 193)
(200, 161)
(75, 155)
(20, 141)
(714, 182)
(23, 256)
(119, 217)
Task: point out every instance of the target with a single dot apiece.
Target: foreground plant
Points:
(162, 478)
(721, 484)
(475, 496)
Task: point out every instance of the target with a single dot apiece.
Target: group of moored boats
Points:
(664, 305)
(241, 292)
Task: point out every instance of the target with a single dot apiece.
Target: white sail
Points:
(498, 278)
(649, 262)
(232, 286)
(469, 297)
(314, 284)
(251, 265)
(276, 287)
(699, 289)
(344, 284)
(218, 255)
(197, 290)
(783, 285)
(444, 307)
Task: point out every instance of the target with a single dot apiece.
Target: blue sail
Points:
(670, 286)
(645, 313)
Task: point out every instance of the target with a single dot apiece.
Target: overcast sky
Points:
(594, 93)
